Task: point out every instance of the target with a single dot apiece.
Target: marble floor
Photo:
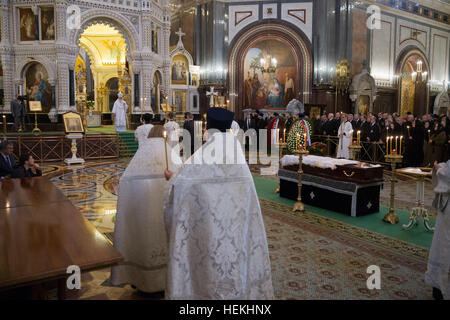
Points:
(93, 190)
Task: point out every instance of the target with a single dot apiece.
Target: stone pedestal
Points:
(74, 159)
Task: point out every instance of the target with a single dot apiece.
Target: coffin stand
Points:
(348, 189)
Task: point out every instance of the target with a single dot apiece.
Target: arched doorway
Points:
(413, 70)
(37, 86)
(112, 86)
(269, 64)
(156, 92)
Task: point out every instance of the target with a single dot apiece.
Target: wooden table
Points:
(42, 234)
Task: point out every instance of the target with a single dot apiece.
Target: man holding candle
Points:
(437, 275)
(140, 234)
(217, 240)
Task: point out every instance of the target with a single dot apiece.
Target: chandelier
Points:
(271, 68)
(419, 76)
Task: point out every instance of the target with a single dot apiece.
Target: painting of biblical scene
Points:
(27, 25)
(180, 70)
(37, 86)
(269, 75)
(47, 23)
(179, 101)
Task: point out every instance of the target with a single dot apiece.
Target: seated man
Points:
(25, 168)
(7, 161)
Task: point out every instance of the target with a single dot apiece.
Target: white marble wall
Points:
(398, 34)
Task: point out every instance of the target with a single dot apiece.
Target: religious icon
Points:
(179, 70)
(47, 23)
(269, 75)
(27, 25)
(37, 85)
(73, 122)
(114, 48)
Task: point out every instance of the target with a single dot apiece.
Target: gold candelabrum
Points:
(393, 158)
(299, 206)
(355, 147)
(36, 131)
(281, 146)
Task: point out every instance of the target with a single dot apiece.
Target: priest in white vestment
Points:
(345, 134)
(120, 113)
(217, 239)
(140, 234)
(438, 270)
(235, 128)
(173, 132)
(141, 133)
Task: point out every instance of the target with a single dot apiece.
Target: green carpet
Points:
(418, 236)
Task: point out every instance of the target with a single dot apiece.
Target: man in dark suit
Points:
(19, 112)
(249, 123)
(7, 161)
(25, 168)
(189, 126)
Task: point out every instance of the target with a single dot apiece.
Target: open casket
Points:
(346, 186)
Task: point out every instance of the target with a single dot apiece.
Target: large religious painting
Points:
(47, 23)
(179, 101)
(269, 75)
(37, 86)
(27, 25)
(180, 70)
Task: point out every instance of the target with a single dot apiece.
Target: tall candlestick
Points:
(387, 145)
(4, 124)
(400, 150)
(165, 149)
(390, 144)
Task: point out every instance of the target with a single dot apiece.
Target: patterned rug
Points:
(313, 257)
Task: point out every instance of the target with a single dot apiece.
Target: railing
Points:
(58, 147)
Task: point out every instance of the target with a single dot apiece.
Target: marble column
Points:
(7, 54)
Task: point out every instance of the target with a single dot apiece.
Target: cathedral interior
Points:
(68, 62)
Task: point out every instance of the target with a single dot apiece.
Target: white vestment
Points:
(141, 133)
(345, 141)
(217, 239)
(173, 133)
(120, 111)
(235, 128)
(438, 270)
(140, 234)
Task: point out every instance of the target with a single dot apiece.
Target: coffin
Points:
(351, 188)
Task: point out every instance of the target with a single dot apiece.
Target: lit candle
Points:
(390, 144)
(4, 124)
(408, 132)
(396, 145)
(359, 137)
(305, 140)
(387, 145)
(400, 149)
(165, 148)
(284, 135)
